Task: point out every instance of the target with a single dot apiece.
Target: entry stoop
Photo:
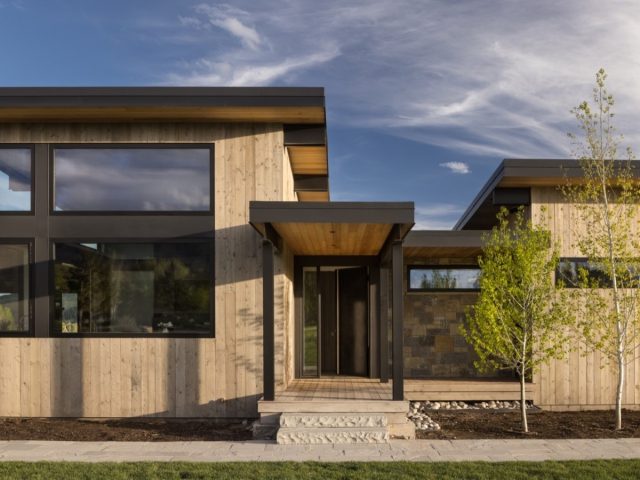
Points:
(333, 421)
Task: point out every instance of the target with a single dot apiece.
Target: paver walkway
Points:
(408, 450)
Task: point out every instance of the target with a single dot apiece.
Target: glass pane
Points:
(133, 287)
(573, 272)
(132, 179)
(15, 179)
(14, 288)
(310, 343)
(444, 278)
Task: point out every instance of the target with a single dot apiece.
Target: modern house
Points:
(173, 252)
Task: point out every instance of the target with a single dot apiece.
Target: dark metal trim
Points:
(410, 268)
(305, 135)
(31, 293)
(331, 212)
(32, 199)
(397, 319)
(86, 97)
(132, 146)
(268, 321)
(55, 333)
(444, 238)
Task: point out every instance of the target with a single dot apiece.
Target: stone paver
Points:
(408, 450)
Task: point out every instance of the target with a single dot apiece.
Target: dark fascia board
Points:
(444, 238)
(311, 183)
(331, 212)
(33, 97)
(480, 198)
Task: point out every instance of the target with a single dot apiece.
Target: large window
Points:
(134, 288)
(14, 288)
(426, 279)
(122, 178)
(15, 179)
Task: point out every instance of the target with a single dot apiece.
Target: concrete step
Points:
(332, 420)
(317, 435)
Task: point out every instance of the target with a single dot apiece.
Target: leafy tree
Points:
(607, 205)
(520, 318)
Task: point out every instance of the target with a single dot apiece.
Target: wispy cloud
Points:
(457, 167)
(437, 216)
(482, 78)
(230, 19)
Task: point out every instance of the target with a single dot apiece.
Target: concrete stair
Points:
(327, 428)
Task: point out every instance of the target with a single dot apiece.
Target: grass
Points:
(597, 469)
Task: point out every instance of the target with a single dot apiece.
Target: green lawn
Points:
(603, 469)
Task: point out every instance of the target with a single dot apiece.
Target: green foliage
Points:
(607, 208)
(520, 318)
(516, 322)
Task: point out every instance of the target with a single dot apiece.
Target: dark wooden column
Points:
(397, 319)
(268, 332)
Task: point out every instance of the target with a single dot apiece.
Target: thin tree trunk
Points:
(523, 404)
(619, 391)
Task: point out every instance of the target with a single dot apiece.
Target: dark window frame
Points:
(131, 146)
(558, 277)
(32, 199)
(30, 243)
(56, 333)
(412, 267)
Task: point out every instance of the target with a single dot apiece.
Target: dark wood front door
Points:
(353, 321)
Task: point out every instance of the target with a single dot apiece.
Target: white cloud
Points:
(228, 18)
(456, 167)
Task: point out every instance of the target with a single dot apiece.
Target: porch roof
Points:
(443, 243)
(331, 228)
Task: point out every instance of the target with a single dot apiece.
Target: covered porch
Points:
(330, 238)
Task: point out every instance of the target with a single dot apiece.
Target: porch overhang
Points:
(331, 228)
(444, 243)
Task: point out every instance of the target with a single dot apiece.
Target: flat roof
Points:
(332, 228)
(444, 243)
(257, 104)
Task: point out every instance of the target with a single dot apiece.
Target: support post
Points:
(397, 319)
(268, 331)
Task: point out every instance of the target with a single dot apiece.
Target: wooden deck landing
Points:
(335, 388)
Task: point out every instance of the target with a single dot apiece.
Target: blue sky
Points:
(424, 97)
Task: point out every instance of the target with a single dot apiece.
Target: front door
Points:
(336, 321)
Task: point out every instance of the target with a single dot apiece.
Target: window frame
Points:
(412, 267)
(54, 332)
(32, 197)
(131, 146)
(29, 242)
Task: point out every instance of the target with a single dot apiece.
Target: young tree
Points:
(520, 318)
(606, 204)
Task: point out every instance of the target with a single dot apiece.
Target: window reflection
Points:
(133, 287)
(444, 278)
(15, 179)
(132, 179)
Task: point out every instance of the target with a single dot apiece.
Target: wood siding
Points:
(583, 380)
(218, 377)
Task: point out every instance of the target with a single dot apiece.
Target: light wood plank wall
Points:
(219, 377)
(583, 380)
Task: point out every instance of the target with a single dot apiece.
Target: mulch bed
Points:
(127, 430)
(468, 424)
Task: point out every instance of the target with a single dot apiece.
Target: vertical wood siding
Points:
(583, 380)
(219, 377)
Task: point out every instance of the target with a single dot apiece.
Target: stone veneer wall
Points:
(434, 347)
